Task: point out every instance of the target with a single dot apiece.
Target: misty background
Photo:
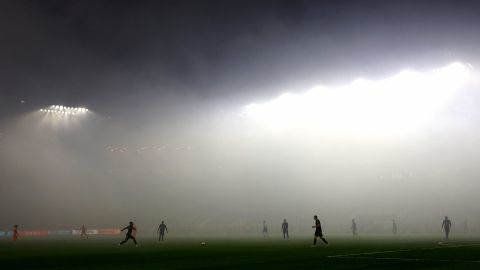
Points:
(166, 83)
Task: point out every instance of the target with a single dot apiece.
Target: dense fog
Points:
(169, 136)
(216, 171)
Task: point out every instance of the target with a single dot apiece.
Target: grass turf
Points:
(424, 253)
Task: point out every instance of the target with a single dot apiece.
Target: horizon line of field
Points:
(37, 233)
(356, 255)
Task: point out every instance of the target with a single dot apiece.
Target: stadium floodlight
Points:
(403, 102)
(61, 110)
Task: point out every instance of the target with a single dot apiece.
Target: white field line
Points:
(358, 255)
(406, 259)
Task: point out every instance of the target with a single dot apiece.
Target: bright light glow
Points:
(64, 111)
(404, 102)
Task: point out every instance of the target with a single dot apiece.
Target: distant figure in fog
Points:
(131, 231)
(161, 230)
(446, 225)
(318, 232)
(285, 229)
(265, 229)
(15, 232)
(83, 232)
(354, 227)
(394, 228)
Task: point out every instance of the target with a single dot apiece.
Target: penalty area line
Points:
(404, 259)
(361, 255)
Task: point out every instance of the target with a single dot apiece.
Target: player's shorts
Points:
(318, 233)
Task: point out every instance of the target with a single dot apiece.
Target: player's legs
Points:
(126, 239)
(319, 234)
(316, 235)
(324, 240)
(134, 240)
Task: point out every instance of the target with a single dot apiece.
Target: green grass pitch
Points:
(236, 253)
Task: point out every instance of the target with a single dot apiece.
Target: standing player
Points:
(354, 227)
(265, 229)
(285, 229)
(83, 232)
(15, 232)
(161, 230)
(394, 228)
(318, 232)
(131, 231)
(446, 225)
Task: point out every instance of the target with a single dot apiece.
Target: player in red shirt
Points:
(15, 232)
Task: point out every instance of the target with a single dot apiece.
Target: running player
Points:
(131, 230)
(161, 230)
(318, 232)
(285, 229)
(83, 232)
(265, 229)
(446, 225)
(15, 232)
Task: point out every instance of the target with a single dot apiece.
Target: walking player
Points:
(161, 230)
(285, 229)
(318, 232)
(354, 227)
(83, 232)
(446, 225)
(265, 229)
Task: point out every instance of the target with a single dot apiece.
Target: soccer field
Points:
(342, 253)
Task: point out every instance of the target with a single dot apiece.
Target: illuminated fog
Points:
(214, 120)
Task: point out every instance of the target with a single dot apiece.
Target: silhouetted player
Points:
(285, 229)
(394, 228)
(318, 232)
(83, 232)
(354, 227)
(446, 225)
(15, 232)
(265, 229)
(161, 230)
(130, 234)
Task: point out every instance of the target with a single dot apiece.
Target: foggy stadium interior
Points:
(169, 135)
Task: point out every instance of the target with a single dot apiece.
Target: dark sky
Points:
(128, 56)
